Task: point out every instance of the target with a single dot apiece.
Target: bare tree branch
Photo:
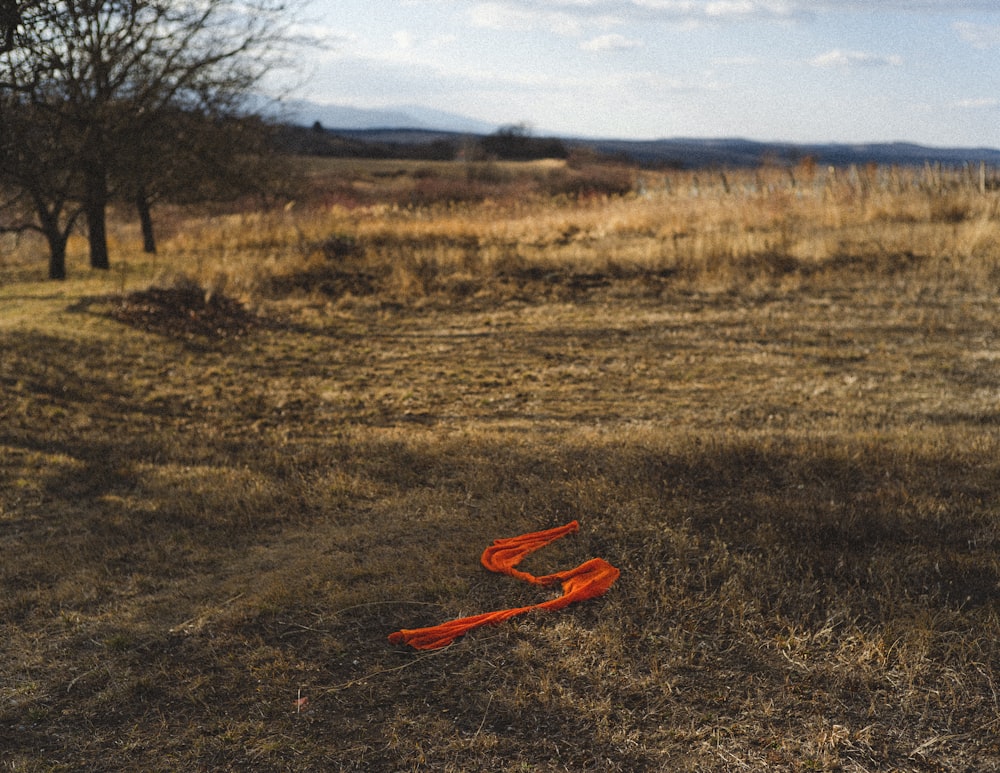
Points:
(112, 76)
(10, 20)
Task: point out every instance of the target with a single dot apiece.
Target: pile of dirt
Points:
(185, 312)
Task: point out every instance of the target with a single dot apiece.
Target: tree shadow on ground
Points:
(821, 576)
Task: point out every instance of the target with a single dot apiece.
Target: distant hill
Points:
(416, 144)
(412, 131)
(696, 153)
(339, 117)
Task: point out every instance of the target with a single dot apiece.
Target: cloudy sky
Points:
(925, 71)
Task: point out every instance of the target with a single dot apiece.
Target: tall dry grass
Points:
(766, 229)
(762, 229)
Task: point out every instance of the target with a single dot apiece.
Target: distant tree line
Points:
(509, 143)
(317, 141)
(515, 143)
(130, 102)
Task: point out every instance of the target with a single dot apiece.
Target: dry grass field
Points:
(772, 400)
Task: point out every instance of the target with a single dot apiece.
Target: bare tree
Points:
(211, 158)
(109, 71)
(40, 187)
(10, 20)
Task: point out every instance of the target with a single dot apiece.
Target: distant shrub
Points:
(950, 211)
(515, 143)
(486, 172)
(340, 247)
(592, 180)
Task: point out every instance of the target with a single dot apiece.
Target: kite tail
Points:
(586, 581)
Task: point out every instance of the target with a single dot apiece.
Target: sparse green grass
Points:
(796, 471)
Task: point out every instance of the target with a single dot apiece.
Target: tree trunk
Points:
(57, 247)
(146, 219)
(57, 258)
(57, 239)
(95, 205)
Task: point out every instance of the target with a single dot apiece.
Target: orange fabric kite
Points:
(587, 581)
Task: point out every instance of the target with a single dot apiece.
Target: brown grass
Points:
(776, 413)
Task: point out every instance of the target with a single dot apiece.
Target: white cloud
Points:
(321, 35)
(727, 9)
(981, 36)
(809, 7)
(611, 42)
(982, 103)
(839, 58)
(404, 39)
(575, 14)
(520, 17)
(918, 6)
(736, 61)
(576, 17)
(656, 85)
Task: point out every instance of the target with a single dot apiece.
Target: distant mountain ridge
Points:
(338, 117)
(694, 153)
(689, 153)
(414, 125)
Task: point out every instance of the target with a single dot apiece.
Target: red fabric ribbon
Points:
(587, 581)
